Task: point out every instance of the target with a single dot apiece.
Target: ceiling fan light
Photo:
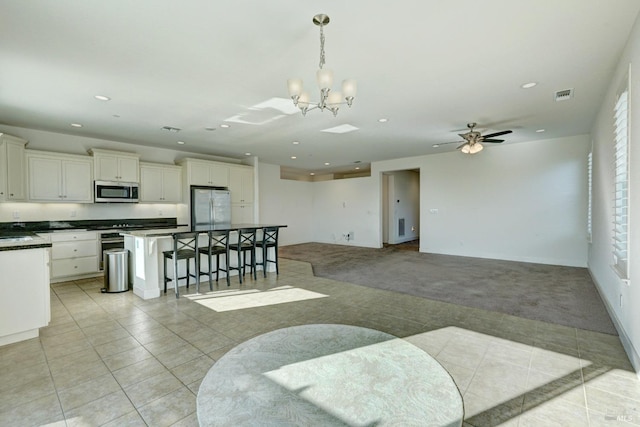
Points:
(475, 148)
(325, 78)
(466, 149)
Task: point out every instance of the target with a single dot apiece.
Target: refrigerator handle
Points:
(212, 212)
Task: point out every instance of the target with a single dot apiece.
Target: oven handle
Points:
(121, 240)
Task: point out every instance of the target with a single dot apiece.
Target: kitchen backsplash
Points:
(14, 212)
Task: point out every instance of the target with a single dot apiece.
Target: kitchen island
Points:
(146, 258)
(24, 283)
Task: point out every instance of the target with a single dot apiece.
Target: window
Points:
(621, 201)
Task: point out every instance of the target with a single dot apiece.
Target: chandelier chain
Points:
(321, 46)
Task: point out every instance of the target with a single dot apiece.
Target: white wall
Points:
(347, 206)
(522, 202)
(613, 290)
(288, 202)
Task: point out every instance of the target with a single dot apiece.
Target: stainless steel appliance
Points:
(109, 240)
(209, 206)
(115, 192)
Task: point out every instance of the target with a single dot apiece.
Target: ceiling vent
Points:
(563, 95)
(170, 129)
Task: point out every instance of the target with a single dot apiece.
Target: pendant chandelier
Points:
(328, 99)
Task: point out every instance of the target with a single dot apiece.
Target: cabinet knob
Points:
(11, 194)
(75, 266)
(75, 250)
(1, 193)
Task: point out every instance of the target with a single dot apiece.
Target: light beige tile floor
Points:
(118, 360)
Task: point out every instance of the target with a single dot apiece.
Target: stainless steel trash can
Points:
(116, 270)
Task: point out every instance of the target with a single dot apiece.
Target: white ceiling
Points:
(428, 66)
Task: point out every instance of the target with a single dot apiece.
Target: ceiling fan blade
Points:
(495, 141)
(504, 132)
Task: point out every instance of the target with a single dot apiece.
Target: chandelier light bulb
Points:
(325, 79)
(295, 87)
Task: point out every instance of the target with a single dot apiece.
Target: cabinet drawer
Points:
(75, 266)
(82, 248)
(72, 236)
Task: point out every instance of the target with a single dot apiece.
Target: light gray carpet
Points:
(555, 294)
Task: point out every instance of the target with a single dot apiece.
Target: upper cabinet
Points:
(241, 184)
(115, 165)
(59, 177)
(160, 183)
(206, 173)
(12, 168)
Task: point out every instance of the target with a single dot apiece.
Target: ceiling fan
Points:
(473, 139)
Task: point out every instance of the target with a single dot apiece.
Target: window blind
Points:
(620, 217)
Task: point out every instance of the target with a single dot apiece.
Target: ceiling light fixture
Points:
(328, 99)
(293, 157)
(327, 163)
(247, 154)
(180, 142)
(102, 98)
(225, 126)
(540, 130)
(383, 120)
(296, 142)
(76, 125)
(529, 85)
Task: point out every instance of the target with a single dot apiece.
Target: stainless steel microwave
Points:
(115, 192)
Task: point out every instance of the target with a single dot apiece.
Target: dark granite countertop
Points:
(93, 224)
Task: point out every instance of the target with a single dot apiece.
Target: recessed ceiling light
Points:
(293, 157)
(528, 85)
(210, 129)
(436, 145)
(225, 126)
(76, 125)
(357, 168)
(540, 130)
(296, 142)
(180, 142)
(383, 120)
(312, 174)
(247, 154)
(117, 116)
(102, 98)
(327, 163)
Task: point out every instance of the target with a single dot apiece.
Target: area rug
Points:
(328, 375)
(556, 294)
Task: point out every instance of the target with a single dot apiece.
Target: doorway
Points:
(401, 208)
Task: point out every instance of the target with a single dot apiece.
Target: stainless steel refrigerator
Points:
(210, 206)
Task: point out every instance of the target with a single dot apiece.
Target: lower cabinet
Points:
(74, 254)
(242, 213)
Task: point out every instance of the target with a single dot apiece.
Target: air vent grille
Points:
(563, 95)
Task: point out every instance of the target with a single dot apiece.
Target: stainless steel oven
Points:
(109, 240)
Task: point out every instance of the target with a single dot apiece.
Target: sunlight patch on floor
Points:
(237, 300)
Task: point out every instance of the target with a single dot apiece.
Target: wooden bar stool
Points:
(218, 245)
(246, 243)
(269, 240)
(185, 247)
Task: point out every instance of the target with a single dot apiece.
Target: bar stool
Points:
(246, 243)
(269, 240)
(218, 245)
(185, 247)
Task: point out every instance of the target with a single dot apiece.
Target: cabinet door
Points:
(128, 169)
(76, 178)
(242, 213)
(44, 179)
(199, 174)
(106, 167)
(172, 185)
(150, 184)
(241, 185)
(219, 175)
(15, 177)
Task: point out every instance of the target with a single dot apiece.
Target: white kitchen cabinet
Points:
(74, 253)
(116, 166)
(25, 302)
(12, 168)
(206, 173)
(242, 213)
(59, 178)
(241, 184)
(160, 183)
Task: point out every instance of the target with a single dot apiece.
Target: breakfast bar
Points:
(146, 249)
